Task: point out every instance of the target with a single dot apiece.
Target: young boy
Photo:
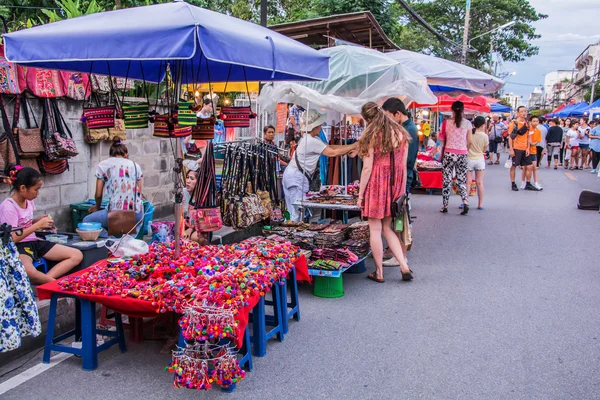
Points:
(535, 137)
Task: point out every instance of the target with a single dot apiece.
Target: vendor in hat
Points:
(303, 165)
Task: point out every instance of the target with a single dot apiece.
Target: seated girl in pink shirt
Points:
(17, 211)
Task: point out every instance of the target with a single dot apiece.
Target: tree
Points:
(447, 17)
(71, 9)
(505, 102)
(588, 93)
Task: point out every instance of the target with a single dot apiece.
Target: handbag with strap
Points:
(9, 78)
(236, 117)
(205, 214)
(75, 84)
(66, 146)
(397, 205)
(314, 180)
(122, 222)
(56, 167)
(118, 131)
(99, 117)
(45, 83)
(163, 125)
(29, 139)
(185, 113)
(136, 116)
(8, 146)
(204, 129)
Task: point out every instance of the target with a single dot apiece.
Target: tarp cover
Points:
(500, 108)
(357, 75)
(152, 35)
(574, 110)
(448, 75)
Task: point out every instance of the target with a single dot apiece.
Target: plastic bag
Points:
(508, 163)
(127, 246)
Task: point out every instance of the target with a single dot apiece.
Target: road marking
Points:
(570, 176)
(32, 373)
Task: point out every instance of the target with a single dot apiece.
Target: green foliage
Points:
(447, 17)
(539, 113)
(505, 102)
(588, 93)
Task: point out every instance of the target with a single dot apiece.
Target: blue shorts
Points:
(584, 146)
(533, 157)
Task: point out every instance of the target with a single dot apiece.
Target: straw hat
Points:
(312, 119)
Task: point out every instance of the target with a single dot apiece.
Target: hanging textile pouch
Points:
(45, 83)
(136, 116)
(66, 146)
(122, 222)
(181, 131)
(99, 117)
(29, 139)
(118, 131)
(9, 81)
(204, 129)
(205, 215)
(236, 117)
(162, 126)
(53, 167)
(30, 163)
(185, 113)
(8, 145)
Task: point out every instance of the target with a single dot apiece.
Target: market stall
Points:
(123, 43)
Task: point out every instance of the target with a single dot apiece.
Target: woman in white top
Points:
(573, 138)
(477, 148)
(303, 164)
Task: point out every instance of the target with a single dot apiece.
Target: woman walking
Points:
(477, 148)
(383, 148)
(456, 138)
(573, 138)
(584, 143)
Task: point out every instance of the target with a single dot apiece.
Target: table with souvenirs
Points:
(213, 288)
(331, 249)
(335, 198)
(430, 172)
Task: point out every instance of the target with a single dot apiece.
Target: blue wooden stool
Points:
(85, 327)
(291, 309)
(260, 321)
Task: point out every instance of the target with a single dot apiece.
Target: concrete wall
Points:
(78, 183)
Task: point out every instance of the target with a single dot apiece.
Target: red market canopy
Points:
(478, 104)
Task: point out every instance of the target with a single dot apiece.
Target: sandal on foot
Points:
(497, 163)
(373, 276)
(480, 208)
(407, 276)
(444, 210)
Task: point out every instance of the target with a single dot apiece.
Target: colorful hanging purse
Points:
(204, 129)
(65, 145)
(99, 117)
(162, 126)
(45, 83)
(118, 131)
(181, 131)
(30, 163)
(29, 140)
(136, 116)
(205, 215)
(56, 167)
(185, 113)
(8, 146)
(93, 136)
(9, 79)
(75, 84)
(236, 117)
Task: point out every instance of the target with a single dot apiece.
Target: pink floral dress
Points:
(377, 196)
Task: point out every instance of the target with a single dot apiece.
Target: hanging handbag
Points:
(66, 146)
(9, 79)
(181, 131)
(122, 222)
(236, 117)
(185, 113)
(30, 163)
(45, 83)
(56, 167)
(397, 205)
(162, 126)
(75, 84)
(205, 214)
(314, 180)
(204, 129)
(49, 128)
(29, 139)
(8, 146)
(136, 116)
(99, 117)
(118, 131)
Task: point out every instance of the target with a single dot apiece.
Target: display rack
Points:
(324, 206)
(339, 272)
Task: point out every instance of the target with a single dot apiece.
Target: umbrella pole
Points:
(178, 168)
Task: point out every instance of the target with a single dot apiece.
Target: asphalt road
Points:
(505, 305)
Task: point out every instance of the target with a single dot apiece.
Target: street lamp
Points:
(470, 49)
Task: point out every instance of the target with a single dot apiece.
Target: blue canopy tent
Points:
(592, 107)
(139, 42)
(500, 108)
(196, 45)
(565, 112)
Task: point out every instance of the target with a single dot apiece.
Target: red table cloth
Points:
(431, 179)
(144, 309)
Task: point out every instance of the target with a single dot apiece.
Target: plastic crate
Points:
(328, 287)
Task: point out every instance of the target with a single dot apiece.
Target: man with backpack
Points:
(519, 144)
(495, 131)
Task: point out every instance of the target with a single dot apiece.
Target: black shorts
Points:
(521, 159)
(35, 249)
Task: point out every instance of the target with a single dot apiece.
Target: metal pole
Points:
(263, 12)
(178, 169)
(465, 45)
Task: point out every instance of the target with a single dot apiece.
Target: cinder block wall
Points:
(154, 155)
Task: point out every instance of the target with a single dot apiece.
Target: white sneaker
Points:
(392, 262)
(538, 186)
(523, 184)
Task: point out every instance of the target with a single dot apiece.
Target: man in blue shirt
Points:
(396, 109)
(595, 145)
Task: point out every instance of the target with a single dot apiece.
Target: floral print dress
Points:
(18, 310)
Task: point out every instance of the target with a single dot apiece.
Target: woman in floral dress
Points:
(383, 142)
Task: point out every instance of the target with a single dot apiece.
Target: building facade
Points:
(512, 99)
(557, 86)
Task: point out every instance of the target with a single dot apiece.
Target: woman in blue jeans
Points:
(120, 179)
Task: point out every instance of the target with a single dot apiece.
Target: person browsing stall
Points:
(269, 138)
(121, 180)
(17, 211)
(303, 165)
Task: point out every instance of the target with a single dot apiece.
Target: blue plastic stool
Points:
(85, 327)
(41, 263)
(260, 321)
(291, 309)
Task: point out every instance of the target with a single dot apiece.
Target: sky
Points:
(570, 27)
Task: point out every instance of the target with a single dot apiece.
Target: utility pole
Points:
(263, 12)
(593, 92)
(465, 45)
